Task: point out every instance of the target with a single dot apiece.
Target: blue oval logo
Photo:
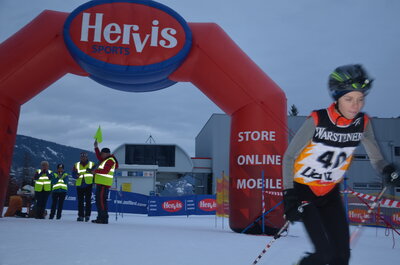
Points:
(128, 45)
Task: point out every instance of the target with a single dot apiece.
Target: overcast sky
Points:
(296, 42)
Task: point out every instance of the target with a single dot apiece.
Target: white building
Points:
(213, 142)
(146, 168)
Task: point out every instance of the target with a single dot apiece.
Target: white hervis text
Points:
(115, 33)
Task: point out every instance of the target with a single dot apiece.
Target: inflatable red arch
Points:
(148, 53)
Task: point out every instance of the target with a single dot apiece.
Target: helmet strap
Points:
(338, 110)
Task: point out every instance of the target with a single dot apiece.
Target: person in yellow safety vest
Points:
(60, 188)
(82, 172)
(103, 178)
(43, 178)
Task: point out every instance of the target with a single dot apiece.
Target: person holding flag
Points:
(103, 178)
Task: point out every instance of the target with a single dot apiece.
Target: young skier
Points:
(317, 158)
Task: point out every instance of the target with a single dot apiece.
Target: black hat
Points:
(84, 154)
(60, 165)
(349, 78)
(105, 150)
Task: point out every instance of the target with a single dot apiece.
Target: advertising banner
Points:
(182, 205)
(386, 214)
(129, 202)
(118, 201)
(206, 204)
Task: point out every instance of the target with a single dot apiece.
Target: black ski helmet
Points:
(348, 78)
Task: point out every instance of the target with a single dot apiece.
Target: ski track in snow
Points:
(178, 240)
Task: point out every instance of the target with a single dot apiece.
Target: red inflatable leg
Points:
(9, 113)
(256, 147)
(223, 72)
(30, 61)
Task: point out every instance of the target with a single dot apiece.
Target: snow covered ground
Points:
(143, 240)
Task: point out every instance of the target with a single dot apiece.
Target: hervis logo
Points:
(396, 218)
(172, 206)
(132, 45)
(208, 205)
(357, 215)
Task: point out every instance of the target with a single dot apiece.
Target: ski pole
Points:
(356, 233)
(263, 202)
(258, 218)
(277, 235)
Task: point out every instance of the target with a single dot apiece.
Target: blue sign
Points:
(129, 202)
(130, 45)
(118, 201)
(182, 205)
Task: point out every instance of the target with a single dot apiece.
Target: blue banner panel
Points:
(161, 206)
(206, 205)
(71, 201)
(118, 201)
(127, 202)
(182, 205)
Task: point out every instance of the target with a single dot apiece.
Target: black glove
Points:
(291, 204)
(391, 175)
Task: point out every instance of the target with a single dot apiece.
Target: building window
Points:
(397, 150)
(203, 183)
(360, 185)
(146, 173)
(375, 186)
(360, 157)
(161, 155)
(367, 186)
(132, 173)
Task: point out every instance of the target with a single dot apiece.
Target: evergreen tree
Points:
(293, 111)
(27, 172)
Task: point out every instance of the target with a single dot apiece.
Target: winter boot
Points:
(98, 221)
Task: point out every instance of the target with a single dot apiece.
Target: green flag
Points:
(98, 136)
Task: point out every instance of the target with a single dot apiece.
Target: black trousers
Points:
(41, 198)
(101, 202)
(326, 224)
(84, 200)
(57, 203)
